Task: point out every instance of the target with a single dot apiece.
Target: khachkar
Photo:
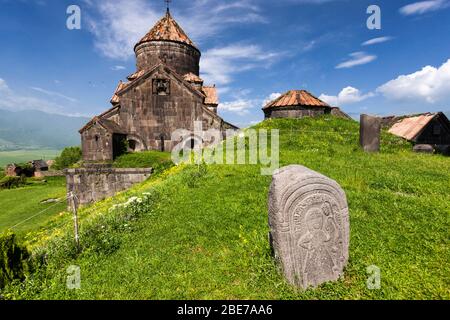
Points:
(309, 226)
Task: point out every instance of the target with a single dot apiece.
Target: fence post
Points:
(75, 219)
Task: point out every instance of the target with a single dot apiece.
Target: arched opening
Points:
(132, 145)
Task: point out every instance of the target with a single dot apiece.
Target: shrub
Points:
(69, 157)
(13, 259)
(12, 182)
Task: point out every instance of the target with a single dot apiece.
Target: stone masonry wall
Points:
(95, 184)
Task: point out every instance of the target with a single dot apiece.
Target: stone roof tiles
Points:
(167, 29)
(296, 98)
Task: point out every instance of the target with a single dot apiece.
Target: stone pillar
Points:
(370, 131)
(309, 226)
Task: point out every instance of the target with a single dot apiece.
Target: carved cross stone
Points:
(309, 226)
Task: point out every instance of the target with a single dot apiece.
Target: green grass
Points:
(205, 237)
(159, 161)
(20, 156)
(17, 205)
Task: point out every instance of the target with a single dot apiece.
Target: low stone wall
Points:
(92, 184)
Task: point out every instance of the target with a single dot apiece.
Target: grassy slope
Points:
(19, 204)
(210, 241)
(20, 156)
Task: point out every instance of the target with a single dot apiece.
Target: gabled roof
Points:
(168, 70)
(167, 29)
(108, 125)
(410, 127)
(211, 95)
(115, 98)
(136, 75)
(294, 98)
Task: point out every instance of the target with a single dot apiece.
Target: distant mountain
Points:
(38, 130)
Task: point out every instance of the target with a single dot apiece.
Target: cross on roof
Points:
(168, 3)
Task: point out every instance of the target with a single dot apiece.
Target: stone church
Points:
(164, 94)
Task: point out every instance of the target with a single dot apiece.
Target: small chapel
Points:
(165, 94)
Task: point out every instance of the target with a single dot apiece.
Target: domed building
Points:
(165, 94)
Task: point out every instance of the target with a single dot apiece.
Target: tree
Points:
(68, 158)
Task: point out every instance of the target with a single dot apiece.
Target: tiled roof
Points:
(109, 125)
(167, 29)
(115, 98)
(190, 77)
(136, 75)
(296, 98)
(211, 95)
(409, 128)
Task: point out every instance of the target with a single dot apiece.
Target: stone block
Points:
(309, 226)
(370, 132)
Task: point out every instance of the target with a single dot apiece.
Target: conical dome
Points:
(166, 42)
(167, 29)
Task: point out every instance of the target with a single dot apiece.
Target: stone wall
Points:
(296, 112)
(92, 184)
(180, 57)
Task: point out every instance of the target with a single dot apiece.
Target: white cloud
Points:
(357, 59)
(54, 94)
(376, 41)
(218, 65)
(15, 101)
(118, 68)
(239, 106)
(271, 98)
(431, 85)
(422, 7)
(119, 24)
(347, 96)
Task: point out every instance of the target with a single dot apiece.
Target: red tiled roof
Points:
(167, 29)
(296, 98)
(211, 95)
(409, 128)
(136, 75)
(115, 98)
(190, 77)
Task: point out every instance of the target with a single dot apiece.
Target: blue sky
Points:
(253, 50)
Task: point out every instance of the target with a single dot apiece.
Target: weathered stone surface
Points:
(370, 131)
(92, 184)
(309, 226)
(423, 148)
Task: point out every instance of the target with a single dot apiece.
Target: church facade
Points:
(165, 94)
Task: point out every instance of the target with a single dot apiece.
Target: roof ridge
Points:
(167, 29)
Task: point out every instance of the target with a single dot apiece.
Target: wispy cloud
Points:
(11, 100)
(118, 68)
(53, 94)
(219, 65)
(357, 59)
(422, 7)
(376, 41)
(119, 24)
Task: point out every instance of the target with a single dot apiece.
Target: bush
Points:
(13, 259)
(12, 182)
(69, 156)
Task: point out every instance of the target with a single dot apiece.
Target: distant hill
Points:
(35, 130)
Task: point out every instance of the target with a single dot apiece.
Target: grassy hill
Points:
(22, 204)
(201, 232)
(31, 130)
